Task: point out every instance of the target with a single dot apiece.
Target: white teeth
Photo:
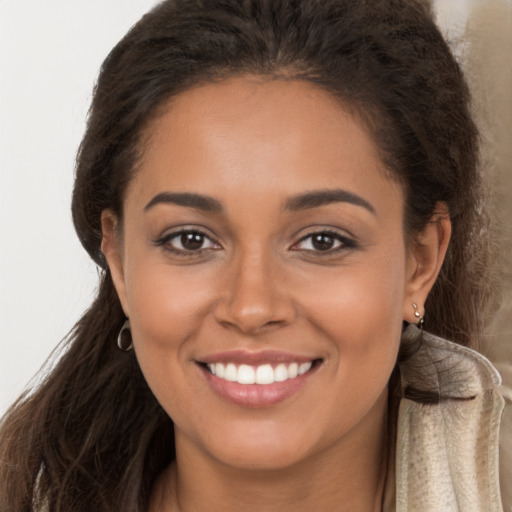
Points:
(230, 373)
(246, 374)
(219, 370)
(304, 367)
(281, 373)
(293, 370)
(262, 374)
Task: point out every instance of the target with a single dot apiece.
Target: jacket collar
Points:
(447, 430)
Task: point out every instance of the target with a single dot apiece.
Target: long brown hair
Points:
(92, 436)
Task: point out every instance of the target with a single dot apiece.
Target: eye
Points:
(323, 241)
(187, 241)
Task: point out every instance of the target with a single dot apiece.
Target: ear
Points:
(424, 260)
(112, 249)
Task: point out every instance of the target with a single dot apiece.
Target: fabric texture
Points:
(447, 428)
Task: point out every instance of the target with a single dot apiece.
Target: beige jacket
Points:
(447, 452)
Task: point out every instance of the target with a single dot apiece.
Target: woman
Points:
(281, 196)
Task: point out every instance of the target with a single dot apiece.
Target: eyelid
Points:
(163, 240)
(346, 241)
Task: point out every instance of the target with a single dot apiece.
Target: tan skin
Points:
(331, 280)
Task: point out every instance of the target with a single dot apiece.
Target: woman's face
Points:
(263, 240)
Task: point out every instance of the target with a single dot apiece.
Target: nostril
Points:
(252, 318)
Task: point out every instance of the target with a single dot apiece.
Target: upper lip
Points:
(255, 358)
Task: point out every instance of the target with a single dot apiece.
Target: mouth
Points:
(254, 381)
(263, 374)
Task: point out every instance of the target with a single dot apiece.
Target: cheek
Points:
(166, 302)
(167, 305)
(359, 308)
(362, 298)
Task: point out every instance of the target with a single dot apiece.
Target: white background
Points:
(50, 52)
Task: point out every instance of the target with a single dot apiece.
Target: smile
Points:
(263, 374)
(258, 379)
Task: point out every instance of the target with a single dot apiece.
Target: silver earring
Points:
(421, 318)
(124, 338)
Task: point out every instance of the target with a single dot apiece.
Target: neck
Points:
(347, 476)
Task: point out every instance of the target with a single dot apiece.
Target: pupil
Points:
(192, 241)
(323, 242)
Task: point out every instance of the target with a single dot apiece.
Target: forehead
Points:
(248, 133)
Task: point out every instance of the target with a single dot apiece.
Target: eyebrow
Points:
(317, 198)
(188, 199)
(313, 199)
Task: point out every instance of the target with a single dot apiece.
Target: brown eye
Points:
(192, 241)
(323, 242)
(187, 241)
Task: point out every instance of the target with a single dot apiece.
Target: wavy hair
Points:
(92, 436)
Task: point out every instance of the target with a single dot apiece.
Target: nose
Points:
(255, 297)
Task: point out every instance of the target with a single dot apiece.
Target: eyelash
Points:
(344, 242)
(165, 240)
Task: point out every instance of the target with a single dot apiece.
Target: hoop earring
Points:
(421, 318)
(124, 338)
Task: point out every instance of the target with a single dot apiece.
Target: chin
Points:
(263, 447)
(261, 458)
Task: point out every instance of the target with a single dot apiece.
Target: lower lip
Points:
(256, 395)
